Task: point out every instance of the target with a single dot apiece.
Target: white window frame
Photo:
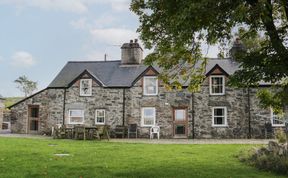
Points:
(90, 84)
(225, 117)
(96, 115)
(69, 115)
(273, 116)
(144, 84)
(153, 117)
(210, 84)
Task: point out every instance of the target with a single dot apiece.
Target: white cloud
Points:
(22, 59)
(77, 6)
(113, 36)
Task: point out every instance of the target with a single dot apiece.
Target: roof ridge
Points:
(94, 61)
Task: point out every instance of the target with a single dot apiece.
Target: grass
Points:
(23, 157)
(11, 100)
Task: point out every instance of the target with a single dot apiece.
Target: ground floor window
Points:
(76, 116)
(148, 116)
(219, 116)
(100, 116)
(276, 120)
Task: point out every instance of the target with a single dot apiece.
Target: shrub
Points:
(265, 160)
(280, 136)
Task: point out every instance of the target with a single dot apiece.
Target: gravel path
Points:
(162, 141)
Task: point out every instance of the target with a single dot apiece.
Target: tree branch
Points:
(276, 41)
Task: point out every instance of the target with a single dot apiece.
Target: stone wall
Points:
(50, 102)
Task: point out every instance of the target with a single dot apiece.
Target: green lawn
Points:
(29, 158)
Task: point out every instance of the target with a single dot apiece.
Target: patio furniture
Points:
(119, 131)
(103, 131)
(154, 130)
(132, 129)
(268, 130)
(79, 132)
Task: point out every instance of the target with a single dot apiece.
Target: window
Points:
(219, 116)
(217, 85)
(150, 85)
(85, 87)
(180, 114)
(148, 116)
(34, 112)
(100, 116)
(276, 120)
(76, 116)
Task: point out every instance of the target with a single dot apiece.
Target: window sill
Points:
(99, 123)
(147, 125)
(220, 94)
(150, 94)
(278, 125)
(220, 126)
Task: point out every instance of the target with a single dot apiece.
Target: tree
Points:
(176, 29)
(25, 85)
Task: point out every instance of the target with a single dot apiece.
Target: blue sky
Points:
(37, 37)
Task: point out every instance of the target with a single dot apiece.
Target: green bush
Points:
(265, 160)
(280, 136)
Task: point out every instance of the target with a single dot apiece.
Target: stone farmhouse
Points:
(125, 91)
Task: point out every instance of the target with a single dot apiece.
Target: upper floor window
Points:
(100, 116)
(150, 85)
(148, 116)
(76, 116)
(85, 87)
(219, 116)
(276, 120)
(217, 85)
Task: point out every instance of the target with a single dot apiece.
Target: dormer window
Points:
(217, 85)
(150, 85)
(85, 87)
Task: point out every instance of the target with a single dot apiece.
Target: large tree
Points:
(176, 29)
(25, 85)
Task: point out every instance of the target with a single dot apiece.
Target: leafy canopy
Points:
(176, 28)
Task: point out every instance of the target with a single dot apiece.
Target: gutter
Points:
(249, 113)
(123, 99)
(64, 101)
(193, 115)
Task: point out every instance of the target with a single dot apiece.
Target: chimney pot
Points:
(131, 41)
(136, 40)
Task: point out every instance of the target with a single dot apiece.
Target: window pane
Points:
(180, 129)
(219, 112)
(34, 112)
(150, 85)
(148, 121)
(100, 119)
(180, 114)
(76, 113)
(219, 120)
(76, 119)
(148, 112)
(86, 86)
(100, 113)
(217, 84)
(276, 120)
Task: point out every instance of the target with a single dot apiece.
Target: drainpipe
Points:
(249, 113)
(123, 117)
(193, 116)
(64, 101)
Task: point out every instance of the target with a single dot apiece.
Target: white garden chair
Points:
(154, 130)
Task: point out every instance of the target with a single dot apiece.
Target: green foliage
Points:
(265, 160)
(11, 100)
(25, 85)
(280, 136)
(20, 157)
(175, 29)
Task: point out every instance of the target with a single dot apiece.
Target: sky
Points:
(38, 37)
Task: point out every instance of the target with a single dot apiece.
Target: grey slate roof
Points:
(113, 74)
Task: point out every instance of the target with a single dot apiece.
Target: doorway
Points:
(33, 119)
(180, 122)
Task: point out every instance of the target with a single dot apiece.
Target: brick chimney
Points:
(131, 53)
(237, 48)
